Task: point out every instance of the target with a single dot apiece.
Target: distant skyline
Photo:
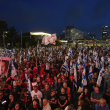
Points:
(52, 16)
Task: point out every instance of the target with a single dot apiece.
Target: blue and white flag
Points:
(79, 60)
(75, 75)
(65, 65)
(13, 70)
(50, 57)
(97, 62)
(90, 75)
(29, 89)
(71, 67)
(100, 75)
(70, 52)
(84, 78)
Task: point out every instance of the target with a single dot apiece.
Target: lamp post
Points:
(4, 37)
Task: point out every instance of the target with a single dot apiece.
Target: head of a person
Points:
(35, 102)
(59, 80)
(62, 90)
(45, 102)
(5, 86)
(24, 91)
(52, 92)
(17, 106)
(106, 69)
(46, 87)
(80, 102)
(85, 105)
(11, 97)
(95, 75)
(71, 107)
(35, 88)
(38, 79)
(65, 85)
(85, 90)
(92, 81)
(96, 90)
(3, 67)
(55, 78)
(71, 77)
(102, 102)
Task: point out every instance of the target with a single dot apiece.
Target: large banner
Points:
(4, 65)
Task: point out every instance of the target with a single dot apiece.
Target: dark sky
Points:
(52, 16)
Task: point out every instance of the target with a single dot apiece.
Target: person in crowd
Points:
(2, 101)
(46, 105)
(95, 97)
(70, 107)
(106, 96)
(35, 105)
(55, 83)
(17, 106)
(71, 85)
(67, 91)
(102, 105)
(92, 85)
(53, 99)
(85, 105)
(80, 103)
(85, 95)
(60, 84)
(25, 98)
(36, 94)
(46, 92)
(106, 79)
(12, 102)
(62, 98)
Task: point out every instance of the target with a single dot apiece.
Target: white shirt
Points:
(47, 66)
(37, 95)
(47, 107)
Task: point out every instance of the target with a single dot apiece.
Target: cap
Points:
(71, 77)
(34, 84)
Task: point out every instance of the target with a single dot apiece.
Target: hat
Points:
(34, 84)
(71, 77)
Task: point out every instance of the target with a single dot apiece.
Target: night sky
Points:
(52, 16)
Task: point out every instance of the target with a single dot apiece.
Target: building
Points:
(73, 34)
(105, 32)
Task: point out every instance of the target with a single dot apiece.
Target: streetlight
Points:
(4, 37)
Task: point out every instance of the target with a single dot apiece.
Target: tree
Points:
(11, 36)
(3, 27)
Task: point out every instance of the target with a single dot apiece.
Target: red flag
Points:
(41, 69)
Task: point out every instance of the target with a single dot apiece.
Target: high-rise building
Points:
(105, 32)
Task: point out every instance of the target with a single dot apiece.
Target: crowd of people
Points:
(52, 86)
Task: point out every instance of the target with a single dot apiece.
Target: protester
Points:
(102, 105)
(95, 97)
(33, 73)
(46, 105)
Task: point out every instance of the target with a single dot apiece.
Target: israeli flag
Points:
(65, 65)
(50, 57)
(75, 75)
(70, 52)
(97, 62)
(13, 70)
(100, 75)
(84, 79)
(28, 83)
(71, 67)
(90, 76)
(79, 60)
(66, 57)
